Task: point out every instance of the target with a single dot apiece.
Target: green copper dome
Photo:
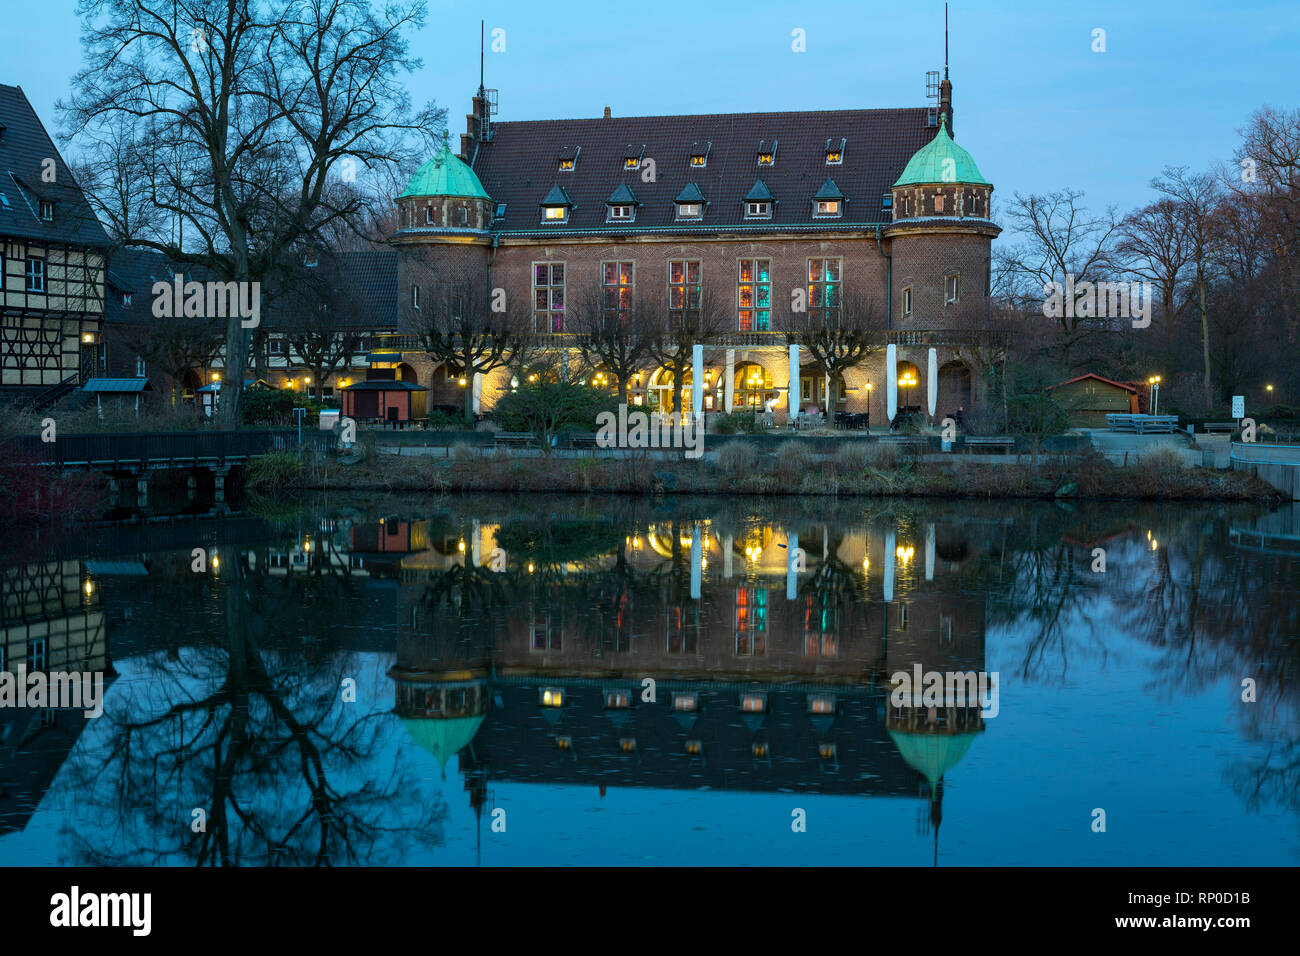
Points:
(443, 738)
(932, 755)
(445, 175)
(928, 165)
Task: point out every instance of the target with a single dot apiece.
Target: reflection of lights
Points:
(552, 697)
(760, 750)
(462, 381)
(1154, 544)
(530, 567)
(636, 543)
(90, 587)
(564, 743)
(693, 747)
(704, 563)
(627, 745)
(866, 564)
(753, 703)
(306, 545)
(216, 562)
(460, 545)
(904, 554)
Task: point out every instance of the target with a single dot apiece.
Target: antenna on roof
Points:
(945, 41)
(480, 49)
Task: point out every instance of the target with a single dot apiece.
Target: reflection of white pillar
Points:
(478, 393)
(475, 545)
(929, 550)
(727, 545)
(932, 385)
(891, 381)
(791, 562)
(729, 396)
(792, 404)
(697, 555)
(889, 566)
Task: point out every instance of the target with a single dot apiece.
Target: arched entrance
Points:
(407, 374)
(911, 388)
(660, 390)
(752, 387)
(954, 391)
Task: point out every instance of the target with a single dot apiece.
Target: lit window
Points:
(823, 292)
(126, 298)
(555, 213)
(564, 743)
(907, 301)
(548, 296)
(632, 162)
(758, 210)
(616, 288)
(686, 703)
(754, 295)
(828, 207)
(566, 164)
(766, 159)
(821, 704)
(684, 291)
(699, 160)
(551, 697)
(618, 699)
(950, 290)
(690, 210)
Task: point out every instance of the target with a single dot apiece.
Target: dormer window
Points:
(887, 201)
(500, 211)
(766, 152)
(631, 162)
(621, 213)
(835, 152)
(766, 159)
(758, 210)
(690, 203)
(556, 206)
(632, 157)
(699, 159)
(828, 202)
(621, 205)
(569, 158)
(700, 155)
(47, 210)
(828, 207)
(566, 165)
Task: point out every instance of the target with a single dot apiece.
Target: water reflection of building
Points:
(768, 676)
(50, 620)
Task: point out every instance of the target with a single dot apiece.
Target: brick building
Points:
(777, 221)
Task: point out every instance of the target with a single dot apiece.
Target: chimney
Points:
(607, 112)
(945, 103)
(476, 124)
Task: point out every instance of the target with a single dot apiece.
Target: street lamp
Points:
(1154, 382)
(906, 382)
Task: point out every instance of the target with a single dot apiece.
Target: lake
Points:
(505, 680)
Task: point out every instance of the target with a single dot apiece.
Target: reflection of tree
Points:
(263, 744)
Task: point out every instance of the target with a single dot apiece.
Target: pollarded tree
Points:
(469, 328)
(839, 331)
(621, 342)
(701, 321)
(249, 127)
(321, 314)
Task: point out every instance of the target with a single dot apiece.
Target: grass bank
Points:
(793, 469)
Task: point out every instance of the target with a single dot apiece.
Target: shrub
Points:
(737, 458)
(745, 423)
(275, 473)
(274, 406)
(860, 456)
(463, 451)
(1162, 460)
(440, 418)
(794, 459)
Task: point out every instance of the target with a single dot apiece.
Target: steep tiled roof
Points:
(24, 148)
(520, 164)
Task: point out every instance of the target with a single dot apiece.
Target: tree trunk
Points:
(1205, 345)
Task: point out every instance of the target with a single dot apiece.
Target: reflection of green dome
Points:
(932, 755)
(443, 738)
(927, 164)
(445, 175)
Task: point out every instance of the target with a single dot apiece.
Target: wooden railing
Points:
(112, 451)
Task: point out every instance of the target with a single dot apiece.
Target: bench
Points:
(1006, 443)
(1142, 424)
(582, 441)
(514, 439)
(1221, 426)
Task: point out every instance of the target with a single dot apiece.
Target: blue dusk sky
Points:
(1037, 108)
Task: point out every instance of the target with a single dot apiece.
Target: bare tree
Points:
(620, 342)
(319, 313)
(839, 333)
(248, 126)
(1197, 197)
(469, 329)
(678, 331)
(177, 346)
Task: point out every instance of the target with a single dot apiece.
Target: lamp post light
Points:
(906, 383)
(1154, 383)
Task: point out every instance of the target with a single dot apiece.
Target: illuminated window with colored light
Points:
(766, 159)
(834, 157)
(699, 160)
(694, 747)
(555, 213)
(751, 621)
(683, 624)
(684, 291)
(686, 703)
(632, 162)
(548, 296)
(616, 288)
(828, 207)
(566, 165)
(754, 295)
(824, 293)
(627, 745)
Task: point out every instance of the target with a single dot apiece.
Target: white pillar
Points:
(932, 386)
(929, 550)
(475, 544)
(791, 562)
(889, 566)
(697, 554)
(478, 393)
(729, 396)
(697, 382)
(792, 400)
(727, 544)
(891, 381)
